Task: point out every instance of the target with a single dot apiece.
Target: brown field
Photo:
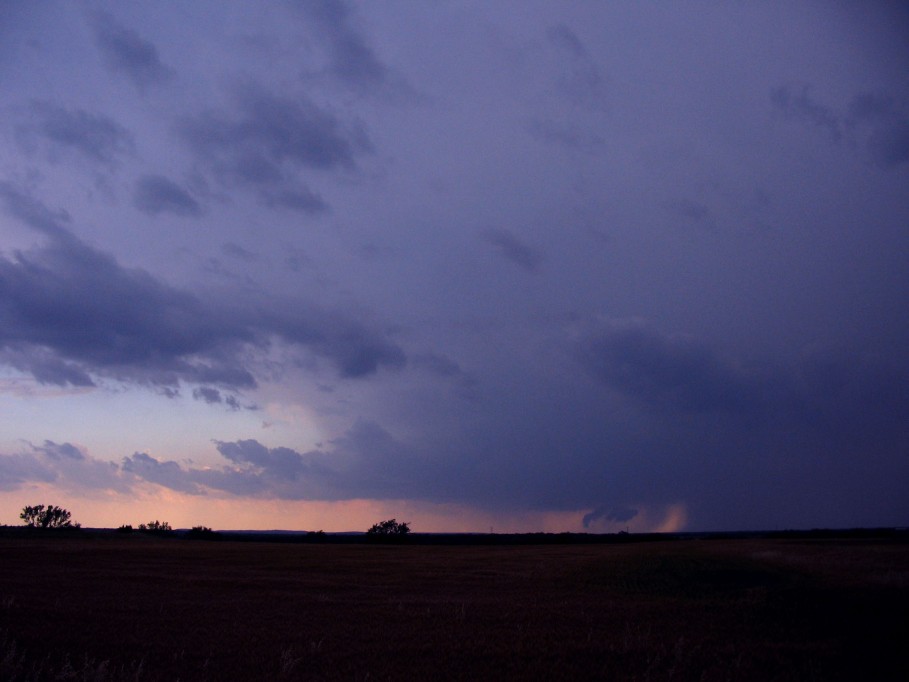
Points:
(110, 607)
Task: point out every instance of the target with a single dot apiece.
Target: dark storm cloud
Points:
(620, 515)
(837, 399)
(45, 366)
(94, 136)
(91, 314)
(354, 349)
(126, 52)
(156, 194)
(767, 387)
(68, 311)
(514, 249)
(351, 58)
(831, 408)
(664, 372)
(856, 398)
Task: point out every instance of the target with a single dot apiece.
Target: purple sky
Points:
(530, 265)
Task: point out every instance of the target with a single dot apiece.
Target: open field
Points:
(111, 607)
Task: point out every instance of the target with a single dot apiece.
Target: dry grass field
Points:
(88, 606)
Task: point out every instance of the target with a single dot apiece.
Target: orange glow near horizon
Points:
(108, 509)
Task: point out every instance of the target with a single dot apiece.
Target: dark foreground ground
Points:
(109, 607)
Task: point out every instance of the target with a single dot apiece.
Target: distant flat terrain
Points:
(117, 607)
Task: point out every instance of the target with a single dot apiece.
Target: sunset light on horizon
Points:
(476, 266)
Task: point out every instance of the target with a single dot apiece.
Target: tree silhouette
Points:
(155, 527)
(51, 516)
(389, 528)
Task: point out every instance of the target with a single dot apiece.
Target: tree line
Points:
(51, 516)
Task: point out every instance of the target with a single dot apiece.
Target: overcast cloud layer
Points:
(626, 261)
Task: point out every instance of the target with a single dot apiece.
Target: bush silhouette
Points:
(202, 533)
(51, 516)
(388, 529)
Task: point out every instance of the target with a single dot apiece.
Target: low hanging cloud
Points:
(834, 399)
(664, 372)
(63, 464)
(613, 514)
(126, 52)
(365, 462)
(166, 474)
(69, 312)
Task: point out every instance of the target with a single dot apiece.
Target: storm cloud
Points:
(68, 311)
(586, 266)
(664, 372)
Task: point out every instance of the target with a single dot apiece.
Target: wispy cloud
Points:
(156, 194)
(92, 136)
